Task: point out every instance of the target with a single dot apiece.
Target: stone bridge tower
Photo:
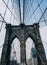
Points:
(22, 32)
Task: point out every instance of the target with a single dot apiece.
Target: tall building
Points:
(13, 60)
(14, 55)
(33, 59)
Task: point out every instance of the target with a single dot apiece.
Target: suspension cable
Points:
(10, 10)
(3, 19)
(42, 15)
(30, 7)
(23, 10)
(34, 13)
(26, 2)
(4, 15)
(20, 12)
(11, 13)
(26, 10)
(34, 10)
(6, 9)
(41, 12)
(6, 23)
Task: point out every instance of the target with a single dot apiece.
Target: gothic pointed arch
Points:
(29, 44)
(31, 54)
(22, 32)
(15, 47)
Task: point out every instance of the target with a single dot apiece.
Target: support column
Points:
(23, 54)
(39, 46)
(4, 57)
(23, 47)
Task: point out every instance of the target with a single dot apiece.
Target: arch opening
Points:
(15, 50)
(29, 57)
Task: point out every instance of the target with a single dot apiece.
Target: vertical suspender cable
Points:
(23, 10)
(20, 12)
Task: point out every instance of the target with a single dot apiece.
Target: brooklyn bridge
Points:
(21, 36)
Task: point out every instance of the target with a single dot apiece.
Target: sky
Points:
(29, 19)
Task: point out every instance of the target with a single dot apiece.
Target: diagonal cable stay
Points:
(10, 10)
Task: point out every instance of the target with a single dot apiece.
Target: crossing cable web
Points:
(13, 5)
(18, 13)
(41, 10)
(4, 14)
(43, 19)
(16, 8)
(33, 11)
(11, 13)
